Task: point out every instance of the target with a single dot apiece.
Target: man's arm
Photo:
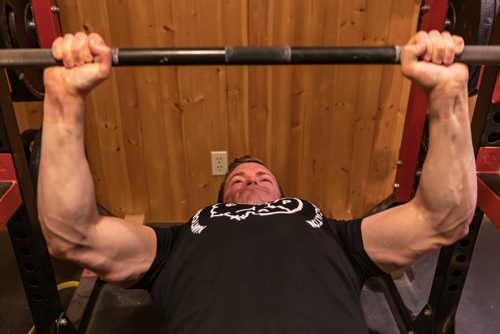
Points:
(442, 209)
(117, 251)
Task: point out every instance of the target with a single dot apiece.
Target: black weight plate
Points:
(473, 20)
(17, 31)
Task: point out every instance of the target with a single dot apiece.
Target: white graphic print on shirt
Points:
(232, 211)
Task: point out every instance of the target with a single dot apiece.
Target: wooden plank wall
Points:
(28, 115)
(331, 134)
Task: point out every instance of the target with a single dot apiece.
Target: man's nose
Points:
(251, 180)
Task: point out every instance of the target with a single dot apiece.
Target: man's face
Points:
(251, 183)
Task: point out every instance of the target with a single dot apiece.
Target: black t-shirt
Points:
(279, 267)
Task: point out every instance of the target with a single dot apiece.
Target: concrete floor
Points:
(129, 311)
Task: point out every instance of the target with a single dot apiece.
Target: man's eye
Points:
(236, 181)
(266, 180)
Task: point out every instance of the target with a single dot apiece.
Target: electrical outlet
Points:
(219, 162)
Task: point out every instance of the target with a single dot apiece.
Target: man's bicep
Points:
(398, 237)
(118, 251)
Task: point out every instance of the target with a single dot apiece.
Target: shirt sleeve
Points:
(165, 238)
(348, 233)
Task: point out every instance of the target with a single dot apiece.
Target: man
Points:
(256, 262)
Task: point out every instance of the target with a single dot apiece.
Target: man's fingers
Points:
(67, 51)
(409, 56)
(418, 47)
(80, 49)
(101, 52)
(425, 45)
(96, 38)
(437, 47)
(449, 48)
(57, 48)
(459, 44)
(77, 46)
(424, 52)
(81, 52)
(86, 59)
(97, 45)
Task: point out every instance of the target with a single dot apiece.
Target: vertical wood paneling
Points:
(150, 110)
(366, 107)
(28, 115)
(175, 200)
(128, 106)
(259, 113)
(235, 30)
(330, 133)
(351, 21)
(283, 107)
(390, 109)
(204, 121)
(317, 97)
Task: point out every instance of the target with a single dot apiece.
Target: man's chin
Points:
(255, 200)
(252, 201)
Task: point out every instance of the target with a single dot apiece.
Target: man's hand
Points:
(422, 59)
(87, 62)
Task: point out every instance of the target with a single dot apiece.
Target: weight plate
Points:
(473, 20)
(17, 30)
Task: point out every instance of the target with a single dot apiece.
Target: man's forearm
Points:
(441, 211)
(66, 197)
(447, 189)
(117, 251)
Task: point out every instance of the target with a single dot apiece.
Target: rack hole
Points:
(453, 287)
(25, 251)
(16, 218)
(496, 117)
(493, 137)
(29, 267)
(37, 297)
(20, 235)
(33, 282)
(465, 243)
(461, 258)
(456, 273)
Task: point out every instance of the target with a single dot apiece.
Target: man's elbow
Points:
(450, 218)
(58, 250)
(450, 237)
(62, 250)
(63, 242)
(456, 226)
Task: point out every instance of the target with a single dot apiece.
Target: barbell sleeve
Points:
(472, 54)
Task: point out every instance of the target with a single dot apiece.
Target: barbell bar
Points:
(472, 54)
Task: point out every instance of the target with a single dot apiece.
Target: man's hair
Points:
(236, 162)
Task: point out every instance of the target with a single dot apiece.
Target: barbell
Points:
(283, 55)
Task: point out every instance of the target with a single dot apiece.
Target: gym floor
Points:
(131, 311)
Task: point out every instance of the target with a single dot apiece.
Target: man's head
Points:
(248, 181)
